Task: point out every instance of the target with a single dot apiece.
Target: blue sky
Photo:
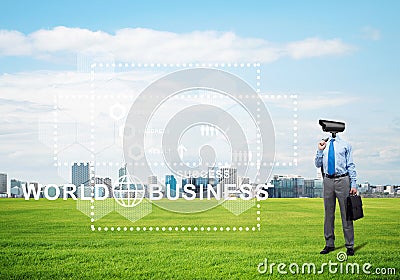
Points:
(359, 62)
(271, 20)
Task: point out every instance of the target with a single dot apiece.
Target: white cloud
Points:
(325, 100)
(315, 47)
(370, 33)
(148, 45)
(14, 43)
(66, 39)
(389, 154)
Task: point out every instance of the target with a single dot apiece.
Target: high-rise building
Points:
(229, 177)
(81, 174)
(309, 187)
(379, 188)
(287, 186)
(152, 180)
(98, 180)
(108, 183)
(36, 187)
(198, 182)
(364, 188)
(3, 183)
(171, 181)
(243, 180)
(100, 192)
(122, 171)
(389, 190)
(318, 188)
(212, 176)
(187, 180)
(16, 188)
(16, 183)
(87, 191)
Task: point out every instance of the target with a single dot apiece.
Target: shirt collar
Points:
(336, 138)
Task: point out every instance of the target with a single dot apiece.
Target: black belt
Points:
(336, 176)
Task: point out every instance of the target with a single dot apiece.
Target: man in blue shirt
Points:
(335, 156)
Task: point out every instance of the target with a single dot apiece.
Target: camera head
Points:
(332, 126)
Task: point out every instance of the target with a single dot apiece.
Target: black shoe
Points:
(350, 251)
(326, 250)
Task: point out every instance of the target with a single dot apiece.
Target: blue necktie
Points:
(331, 158)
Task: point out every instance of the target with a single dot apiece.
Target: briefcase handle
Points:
(352, 194)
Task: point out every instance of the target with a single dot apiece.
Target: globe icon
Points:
(128, 191)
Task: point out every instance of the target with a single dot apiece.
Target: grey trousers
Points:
(337, 188)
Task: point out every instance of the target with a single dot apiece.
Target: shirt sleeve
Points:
(318, 158)
(351, 167)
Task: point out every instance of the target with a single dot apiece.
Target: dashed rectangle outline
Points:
(189, 65)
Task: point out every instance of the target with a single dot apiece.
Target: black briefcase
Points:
(354, 210)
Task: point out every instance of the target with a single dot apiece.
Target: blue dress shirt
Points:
(343, 159)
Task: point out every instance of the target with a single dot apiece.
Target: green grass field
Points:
(52, 240)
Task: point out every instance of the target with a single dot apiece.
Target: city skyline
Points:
(288, 185)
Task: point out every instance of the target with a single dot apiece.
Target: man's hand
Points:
(353, 191)
(322, 145)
